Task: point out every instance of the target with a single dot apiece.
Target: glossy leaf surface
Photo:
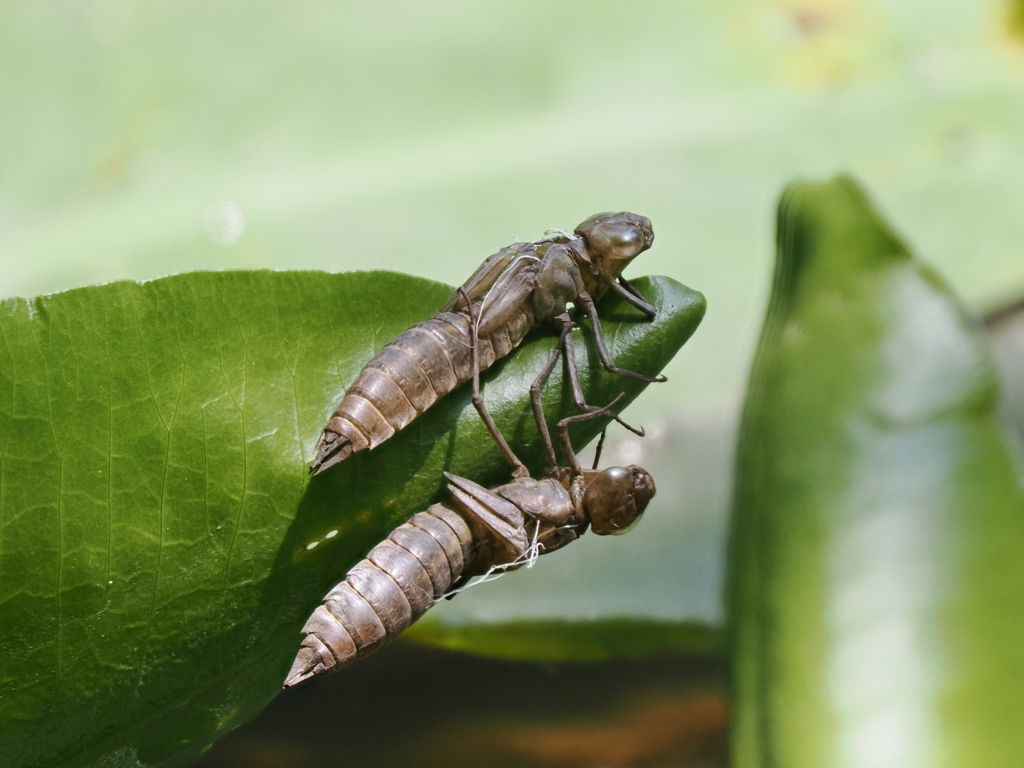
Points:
(160, 541)
(876, 569)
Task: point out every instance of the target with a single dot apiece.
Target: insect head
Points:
(616, 499)
(615, 239)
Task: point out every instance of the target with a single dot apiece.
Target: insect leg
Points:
(626, 290)
(538, 405)
(565, 347)
(518, 468)
(577, 390)
(563, 432)
(600, 446)
(602, 347)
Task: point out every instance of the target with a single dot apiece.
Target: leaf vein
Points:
(245, 447)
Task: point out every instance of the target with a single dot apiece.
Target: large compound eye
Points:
(616, 236)
(628, 528)
(625, 241)
(608, 501)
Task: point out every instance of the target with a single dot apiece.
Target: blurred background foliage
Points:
(142, 139)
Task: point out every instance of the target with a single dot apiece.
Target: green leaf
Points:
(557, 641)
(876, 576)
(1005, 330)
(160, 540)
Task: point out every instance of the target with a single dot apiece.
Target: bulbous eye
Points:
(626, 241)
(616, 236)
(628, 528)
(609, 502)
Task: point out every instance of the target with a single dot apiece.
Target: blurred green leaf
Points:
(1005, 328)
(876, 575)
(572, 641)
(162, 542)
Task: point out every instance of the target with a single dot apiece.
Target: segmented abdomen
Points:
(382, 595)
(408, 376)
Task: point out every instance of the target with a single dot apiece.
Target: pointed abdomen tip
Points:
(303, 668)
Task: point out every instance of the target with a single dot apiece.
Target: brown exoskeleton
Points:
(523, 286)
(477, 532)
